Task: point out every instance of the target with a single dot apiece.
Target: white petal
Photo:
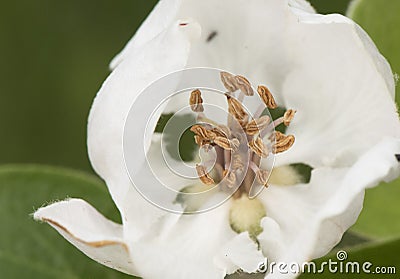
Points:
(311, 218)
(301, 6)
(167, 169)
(241, 253)
(93, 234)
(165, 53)
(185, 246)
(342, 89)
(248, 42)
(158, 20)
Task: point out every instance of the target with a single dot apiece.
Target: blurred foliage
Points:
(381, 214)
(29, 249)
(55, 56)
(330, 6)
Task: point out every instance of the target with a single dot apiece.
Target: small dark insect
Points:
(397, 157)
(211, 36)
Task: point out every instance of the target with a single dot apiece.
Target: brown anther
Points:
(288, 117)
(283, 144)
(224, 129)
(226, 143)
(200, 141)
(244, 85)
(236, 109)
(229, 81)
(221, 131)
(203, 175)
(266, 97)
(258, 147)
(278, 136)
(257, 125)
(262, 177)
(202, 132)
(195, 101)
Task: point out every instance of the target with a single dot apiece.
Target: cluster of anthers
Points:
(245, 140)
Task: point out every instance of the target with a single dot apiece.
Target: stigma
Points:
(243, 141)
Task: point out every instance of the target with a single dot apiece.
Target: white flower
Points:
(346, 128)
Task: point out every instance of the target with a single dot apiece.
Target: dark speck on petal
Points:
(211, 36)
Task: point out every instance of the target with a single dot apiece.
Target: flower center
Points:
(243, 142)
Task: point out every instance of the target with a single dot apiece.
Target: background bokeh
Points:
(54, 57)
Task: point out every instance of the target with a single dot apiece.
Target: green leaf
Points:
(29, 249)
(382, 22)
(381, 214)
(380, 255)
(351, 238)
(328, 7)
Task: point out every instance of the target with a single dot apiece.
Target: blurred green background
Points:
(55, 56)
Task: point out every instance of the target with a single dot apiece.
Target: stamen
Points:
(202, 132)
(261, 175)
(200, 141)
(279, 136)
(229, 81)
(227, 159)
(244, 85)
(230, 178)
(258, 147)
(195, 101)
(288, 117)
(283, 143)
(260, 110)
(236, 109)
(226, 143)
(227, 140)
(285, 119)
(267, 97)
(257, 125)
(203, 175)
(221, 131)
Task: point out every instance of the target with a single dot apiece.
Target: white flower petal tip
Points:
(88, 230)
(301, 6)
(240, 253)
